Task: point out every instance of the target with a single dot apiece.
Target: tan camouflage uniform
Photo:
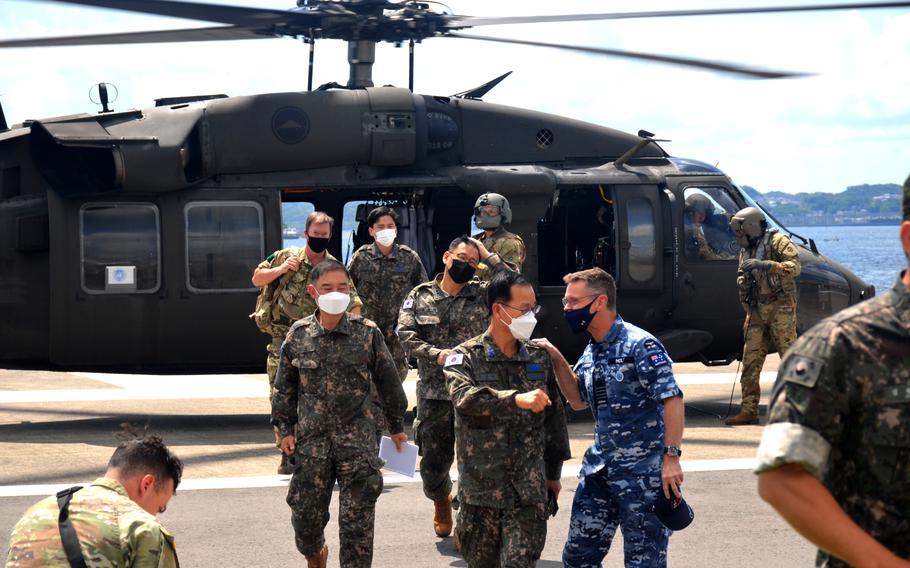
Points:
(505, 454)
(769, 298)
(508, 246)
(841, 410)
(325, 388)
(383, 282)
(431, 321)
(112, 530)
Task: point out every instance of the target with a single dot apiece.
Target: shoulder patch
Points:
(658, 359)
(408, 304)
(802, 370)
(651, 345)
(454, 359)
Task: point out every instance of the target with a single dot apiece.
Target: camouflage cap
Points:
(906, 203)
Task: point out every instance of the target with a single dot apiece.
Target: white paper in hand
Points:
(403, 462)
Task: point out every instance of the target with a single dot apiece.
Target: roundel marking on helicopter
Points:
(290, 125)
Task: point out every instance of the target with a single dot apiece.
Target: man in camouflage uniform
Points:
(384, 272)
(113, 520)
(491, 212)
(511, 432)
(434, 319)
(323, 406)
(626, 377)
(766, 279)
(289, 270)
(833, 459)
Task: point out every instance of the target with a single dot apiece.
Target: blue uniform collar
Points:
(614, 332)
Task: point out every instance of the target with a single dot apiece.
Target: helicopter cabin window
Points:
(224, 243)
(707, 213)
(121, 247)
(642, 240)
(577, 232)
(293, 222)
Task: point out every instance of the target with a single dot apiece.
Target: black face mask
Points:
(317, 244)
(461, 272)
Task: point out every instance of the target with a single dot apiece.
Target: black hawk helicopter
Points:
(127, 239)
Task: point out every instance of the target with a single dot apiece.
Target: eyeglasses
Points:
(534, 310)
(567, 302)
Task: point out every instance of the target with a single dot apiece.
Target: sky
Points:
(848, 124)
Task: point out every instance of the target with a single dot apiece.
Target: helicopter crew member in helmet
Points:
(766, 279)
(698, 209)
(436, 317)
(284, 276)
(491, 212)
(384, 272)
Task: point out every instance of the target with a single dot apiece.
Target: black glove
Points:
(755, 264)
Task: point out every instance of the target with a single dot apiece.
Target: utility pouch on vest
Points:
(67, 532)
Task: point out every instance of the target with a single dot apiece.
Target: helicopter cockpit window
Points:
(121, 247)
(707, 224)
(224, 243)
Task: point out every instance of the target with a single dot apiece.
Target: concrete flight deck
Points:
(56, 430)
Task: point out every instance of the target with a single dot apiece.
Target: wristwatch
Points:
(672, 451)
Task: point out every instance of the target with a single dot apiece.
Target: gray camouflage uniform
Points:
(505, 454)
(383, 282)
(431, 321)
(325, 386)
(841, 410)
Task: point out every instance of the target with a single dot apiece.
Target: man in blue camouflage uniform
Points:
(833, 460)
(626, 377)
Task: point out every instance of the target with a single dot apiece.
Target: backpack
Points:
(263, 314)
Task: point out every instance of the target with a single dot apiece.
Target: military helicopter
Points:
(128, 238)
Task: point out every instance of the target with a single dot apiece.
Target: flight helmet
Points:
(699, 202)
(748, 225)
(491, 222)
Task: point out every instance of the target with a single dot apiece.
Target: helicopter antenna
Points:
(478, 92)
(103, 98)
(646, 138)
(312, 41)
(411, 65)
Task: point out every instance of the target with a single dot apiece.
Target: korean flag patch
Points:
(454, 359)
(408, 304)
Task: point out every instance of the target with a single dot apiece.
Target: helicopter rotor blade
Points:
(234, 15)
(672, 60)
(470, 21)
(218, 33)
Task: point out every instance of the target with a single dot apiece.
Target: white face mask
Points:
(523, 326)
(386, 237)
(333, 303)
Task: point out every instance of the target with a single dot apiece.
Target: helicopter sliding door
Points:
(133, 277)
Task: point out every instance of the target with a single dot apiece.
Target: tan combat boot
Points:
(442, 520)
(318, 560)
(742, 419)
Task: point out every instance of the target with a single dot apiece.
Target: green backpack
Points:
(264, 315)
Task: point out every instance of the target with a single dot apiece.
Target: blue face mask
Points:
(580, 318)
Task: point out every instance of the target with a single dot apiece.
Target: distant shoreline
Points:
(888, 224)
